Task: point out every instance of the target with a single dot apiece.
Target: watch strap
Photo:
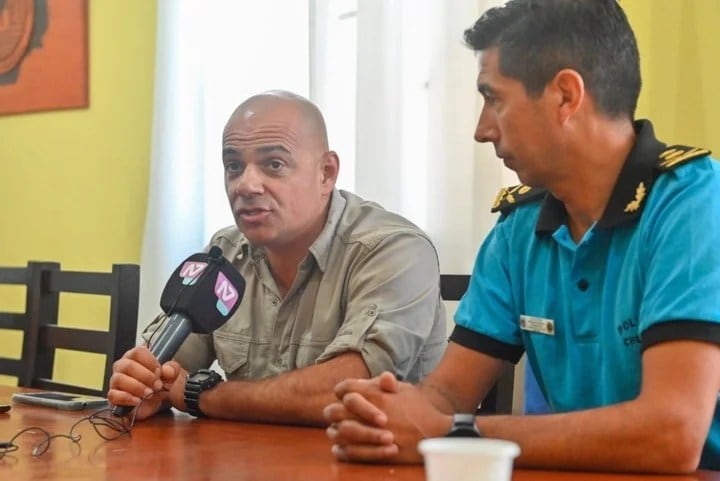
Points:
(464, 426)
(194, 388)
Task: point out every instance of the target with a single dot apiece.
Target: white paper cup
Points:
(468, 459)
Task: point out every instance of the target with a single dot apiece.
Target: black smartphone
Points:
(60, 400)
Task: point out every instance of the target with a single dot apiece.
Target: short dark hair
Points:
(538, 38)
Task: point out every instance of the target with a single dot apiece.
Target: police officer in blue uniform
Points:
(604, 267)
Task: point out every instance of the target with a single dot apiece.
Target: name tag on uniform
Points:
(537, 324)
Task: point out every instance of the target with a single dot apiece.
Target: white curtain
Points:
(416, 113)
(209, 57)
(175, 191)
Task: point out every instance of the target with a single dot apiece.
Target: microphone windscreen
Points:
(205, 288)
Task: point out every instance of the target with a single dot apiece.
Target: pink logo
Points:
(190, 272)
(226, 293)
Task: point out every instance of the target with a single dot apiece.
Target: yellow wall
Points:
(679, 51)
(73, 184)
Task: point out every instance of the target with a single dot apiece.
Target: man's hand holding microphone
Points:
(200, 296)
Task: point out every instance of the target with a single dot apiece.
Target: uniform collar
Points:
(631, 188)
(320, 249)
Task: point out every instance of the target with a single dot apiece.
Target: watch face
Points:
(200, 377)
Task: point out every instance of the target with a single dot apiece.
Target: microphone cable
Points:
(107, 426)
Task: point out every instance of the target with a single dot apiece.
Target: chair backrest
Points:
(500, 398)
(43, 335)
(26, 276)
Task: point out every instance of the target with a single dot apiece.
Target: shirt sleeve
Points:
(394, 313)
(486, 319)
(682, 259)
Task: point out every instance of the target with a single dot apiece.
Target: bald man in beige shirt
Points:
(337, 287)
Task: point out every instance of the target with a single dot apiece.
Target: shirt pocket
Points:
(232, 354)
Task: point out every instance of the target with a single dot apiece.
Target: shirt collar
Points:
(631, 188)
(320, 249)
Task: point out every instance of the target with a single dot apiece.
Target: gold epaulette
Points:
(675, 155)
(510, 197)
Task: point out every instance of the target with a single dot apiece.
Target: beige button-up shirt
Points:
(370, 284)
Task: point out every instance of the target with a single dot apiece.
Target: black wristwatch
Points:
(464, 427)
(196, 383)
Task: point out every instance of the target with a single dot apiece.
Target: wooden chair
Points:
(27, 276)
(500, 398)
(42, 334)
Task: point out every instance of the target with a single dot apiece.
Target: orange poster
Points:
(43, 55)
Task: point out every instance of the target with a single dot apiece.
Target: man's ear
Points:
(569, 89)
(330, 167)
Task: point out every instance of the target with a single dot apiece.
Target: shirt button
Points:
(583, 284)
(274, 302)
(278, 362)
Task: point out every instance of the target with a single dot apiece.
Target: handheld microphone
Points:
(200, 296)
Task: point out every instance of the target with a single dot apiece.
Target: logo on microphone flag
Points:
(226, 293)
(191, 271)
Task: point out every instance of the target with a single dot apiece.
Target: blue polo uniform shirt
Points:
(647, 272)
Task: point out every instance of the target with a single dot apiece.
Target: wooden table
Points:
(178, 447)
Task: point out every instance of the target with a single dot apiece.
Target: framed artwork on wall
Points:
(43, 55)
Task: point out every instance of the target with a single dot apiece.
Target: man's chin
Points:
(526, 179)
(256, 237)
(509, 164)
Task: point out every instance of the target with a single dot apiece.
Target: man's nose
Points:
(486, 130)
(249, 183)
